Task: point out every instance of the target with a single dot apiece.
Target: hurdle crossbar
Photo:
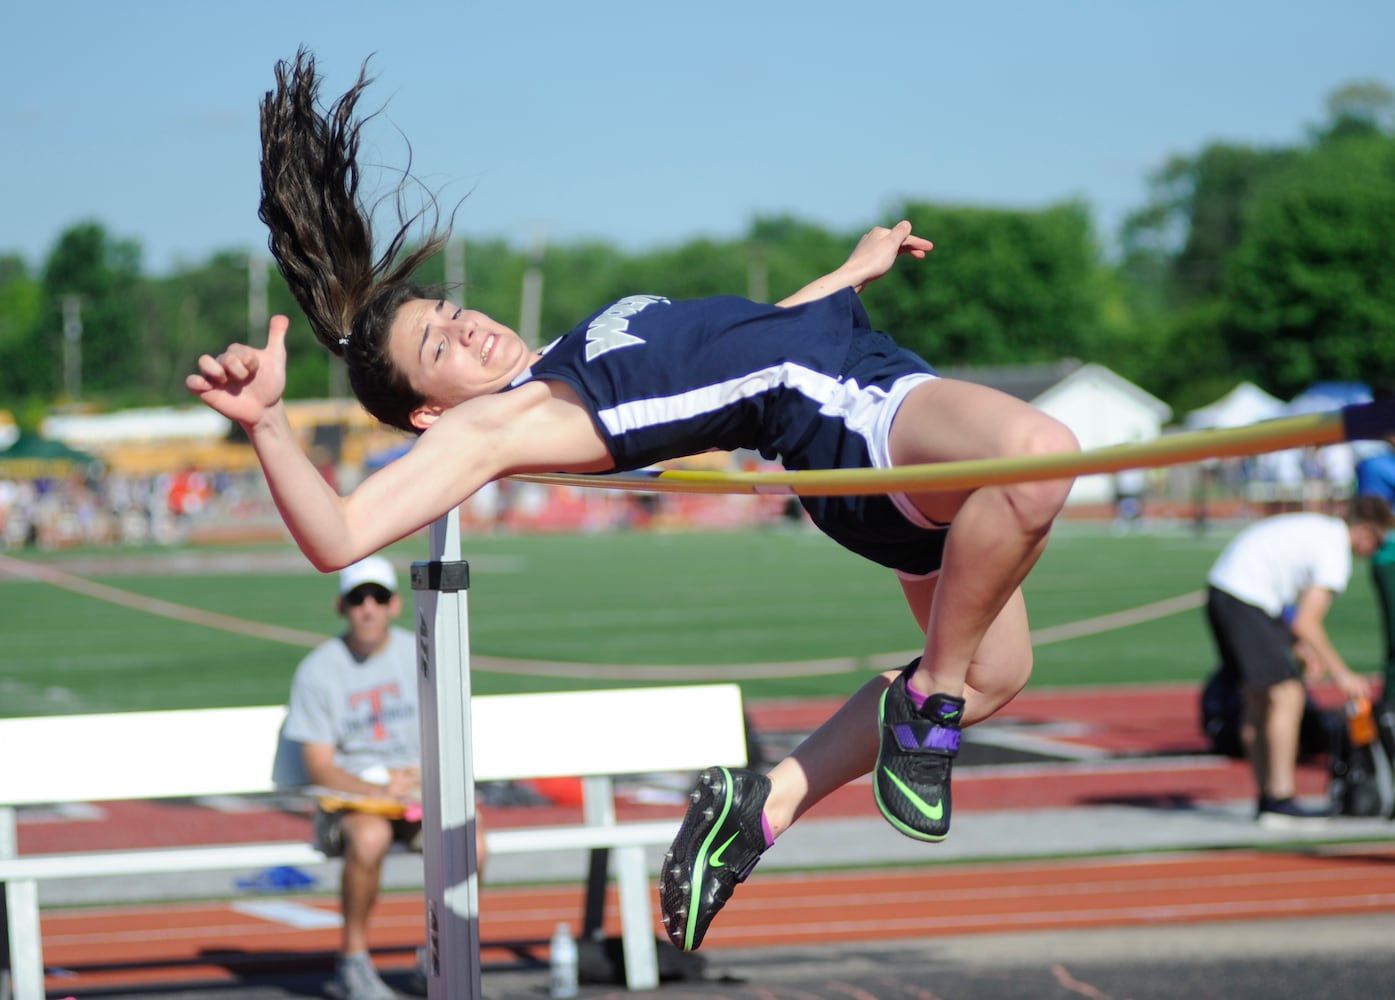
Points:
(1363, 421)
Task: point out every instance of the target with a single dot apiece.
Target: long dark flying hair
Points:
(322, 234)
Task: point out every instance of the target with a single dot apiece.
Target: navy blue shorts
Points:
(874, 528)
(885, 528)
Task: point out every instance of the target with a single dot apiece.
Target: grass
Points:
(750, 597)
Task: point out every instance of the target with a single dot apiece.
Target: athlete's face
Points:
(451, 354)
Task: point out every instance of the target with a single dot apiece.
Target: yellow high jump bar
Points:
(1362, 421)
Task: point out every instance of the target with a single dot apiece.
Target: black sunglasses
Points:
(364, 591)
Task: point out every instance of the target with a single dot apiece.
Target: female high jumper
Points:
(807, 381)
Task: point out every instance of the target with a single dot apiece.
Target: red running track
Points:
(152, 945)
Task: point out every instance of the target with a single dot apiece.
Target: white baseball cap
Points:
(374, 569)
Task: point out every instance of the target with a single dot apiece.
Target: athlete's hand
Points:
(244, 382)
(877, 251)
(870, 259)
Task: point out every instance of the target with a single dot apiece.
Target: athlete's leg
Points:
(996, 533)
(994, 538)
(845, 747)
(839, 751)
(1002, 663)
(733, 813)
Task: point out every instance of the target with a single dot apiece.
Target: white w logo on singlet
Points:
(611, 329)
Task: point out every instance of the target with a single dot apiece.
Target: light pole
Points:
(72, 346)
(455, 270)
(256, 297)
(530, 309)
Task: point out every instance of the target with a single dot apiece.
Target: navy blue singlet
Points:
(668, 378)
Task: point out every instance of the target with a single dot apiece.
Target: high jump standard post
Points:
(447, 768)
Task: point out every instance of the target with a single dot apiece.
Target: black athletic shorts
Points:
(1254, 645)
(329, 833)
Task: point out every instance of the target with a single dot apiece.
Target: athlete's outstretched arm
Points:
(447, 464)
(246, 384)
(873, 256)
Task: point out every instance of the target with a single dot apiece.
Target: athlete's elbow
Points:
(327, 558)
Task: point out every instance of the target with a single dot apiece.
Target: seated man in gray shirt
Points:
(354, 710)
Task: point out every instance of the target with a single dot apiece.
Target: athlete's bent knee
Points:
(1037, 503)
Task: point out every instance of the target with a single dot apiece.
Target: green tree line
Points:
(1275, 265)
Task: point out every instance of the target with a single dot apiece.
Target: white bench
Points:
(231, 751)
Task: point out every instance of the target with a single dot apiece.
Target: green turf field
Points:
(754, 597)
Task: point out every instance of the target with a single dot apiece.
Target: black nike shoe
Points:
(913, 764)
(720, 841)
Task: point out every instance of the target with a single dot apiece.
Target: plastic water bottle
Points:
(562, 956)
(1361, 726)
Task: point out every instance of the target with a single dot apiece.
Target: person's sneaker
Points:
(718, 844)
(1288, 814)
(913, 764)
(356, 979)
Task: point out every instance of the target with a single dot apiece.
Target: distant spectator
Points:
(1303, 560)
(189, 492)
(1130, 491)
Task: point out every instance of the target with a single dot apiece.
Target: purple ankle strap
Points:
(942, 738)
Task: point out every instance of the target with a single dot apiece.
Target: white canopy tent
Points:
(1246, 404)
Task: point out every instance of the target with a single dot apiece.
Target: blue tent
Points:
(1323, 397)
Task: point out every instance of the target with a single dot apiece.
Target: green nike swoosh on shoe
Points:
(932, 812)
(716, 861)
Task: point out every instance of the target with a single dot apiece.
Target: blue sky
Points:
(648, 123)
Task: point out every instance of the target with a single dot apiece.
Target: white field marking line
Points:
(289, 913)
(1087, 765)
(1062, 919)
(1119, 619)
(1049, 740)
(498, 925)
(1079, 884)
(61, 812)
(233, 804)
(840, 665)
(154, 606)
(959, 923)
(496, 664)
(198, 932)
